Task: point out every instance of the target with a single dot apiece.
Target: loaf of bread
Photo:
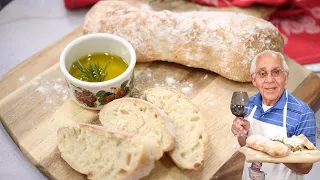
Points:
(139, 117)
(222, 42)
(191, 135)
(103, 154)
(306, 142)
(264, 144)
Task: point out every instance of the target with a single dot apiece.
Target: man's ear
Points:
(287, 78)
(253, 80)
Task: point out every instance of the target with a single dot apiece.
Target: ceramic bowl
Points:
(94, 95)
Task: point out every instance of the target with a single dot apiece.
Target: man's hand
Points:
(302, 168)
(240, 128)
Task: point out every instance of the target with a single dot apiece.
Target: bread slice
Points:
(306, 142)
(191, 135)
(139, 117)
(103, 154)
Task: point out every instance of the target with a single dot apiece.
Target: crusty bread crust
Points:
(264, 144)
(306, 142)
(140, 117)
(103, 154)
(222, 42)
(191, 134)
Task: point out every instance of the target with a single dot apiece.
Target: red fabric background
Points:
(298, 21)
(72, 4)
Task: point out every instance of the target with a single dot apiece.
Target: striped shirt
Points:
(300, 117)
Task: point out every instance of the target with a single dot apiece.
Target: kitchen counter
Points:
(26, 27)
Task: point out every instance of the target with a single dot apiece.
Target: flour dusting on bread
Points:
(222, 42)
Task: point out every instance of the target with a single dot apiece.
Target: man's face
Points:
(270, 78)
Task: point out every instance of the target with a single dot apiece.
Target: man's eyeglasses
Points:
(277, 72)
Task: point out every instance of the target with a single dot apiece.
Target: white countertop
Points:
(26, 27)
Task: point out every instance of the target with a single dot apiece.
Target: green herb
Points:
(294, 149)
(92, 74)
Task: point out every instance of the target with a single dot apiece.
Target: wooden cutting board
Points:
(32, 110)
(303, 156)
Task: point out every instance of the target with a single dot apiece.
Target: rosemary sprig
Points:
(94, 73)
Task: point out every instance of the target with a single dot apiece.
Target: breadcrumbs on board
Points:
(21, 78)
(170, 81)
(65, 97)
(48, 100)
(41, 89)
(211, 103)
(50, 87)
(37, 77)
(206, 94)
(195, 102)
(35, 83)
(234, 146)
(186, 90)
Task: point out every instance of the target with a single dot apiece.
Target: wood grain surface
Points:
(32, 111)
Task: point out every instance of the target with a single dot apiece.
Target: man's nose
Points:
(269, 78)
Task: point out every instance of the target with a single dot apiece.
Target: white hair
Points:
(278, 54)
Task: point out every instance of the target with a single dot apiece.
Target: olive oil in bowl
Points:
(98, 67)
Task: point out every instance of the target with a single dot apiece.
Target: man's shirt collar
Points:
(279, 105)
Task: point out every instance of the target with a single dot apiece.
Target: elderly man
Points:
(274, 112)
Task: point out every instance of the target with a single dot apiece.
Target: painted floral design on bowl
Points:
(102, 97)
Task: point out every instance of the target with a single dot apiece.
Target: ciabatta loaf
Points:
(138, 117)
(222, 42)
(107, 155)
(264, 144)
(191, 135)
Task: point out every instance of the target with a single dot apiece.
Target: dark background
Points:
(4, 3)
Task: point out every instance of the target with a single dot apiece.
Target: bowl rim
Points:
(78, 40)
